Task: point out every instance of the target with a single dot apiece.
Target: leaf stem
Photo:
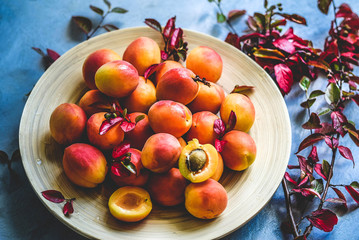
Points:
(289, 208)
(229, 24)
(98, 26)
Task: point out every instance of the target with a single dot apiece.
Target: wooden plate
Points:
(248, 191)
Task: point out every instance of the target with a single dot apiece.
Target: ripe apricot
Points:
(160, 152)
(84, 165)
(167, 116)
(239, 151)
(128, 178)
(94, 101)
(142, 131)
(198, 162)
(94, 61)
(141, 99)
(242, 107)
(219, 170)
(167, 188)
(130, 204)
(165, 67)
(205, 62)
(142, 53)
(178, 85)
(113, 137)
(67, 123)
(202, 128)
(117, 78)
(182, 142)
(205, 200)
(209, 98)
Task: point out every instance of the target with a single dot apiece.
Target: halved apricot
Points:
(198, 162)
(130, 204)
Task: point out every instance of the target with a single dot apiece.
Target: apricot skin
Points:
(167, 188)
(94, 61)
(160, 152)
(219, 170)
(239, 151)
(202, 128)
(167, 116)
(206, 200)
(139, 135)
(84, 165)
(67, 123)
(205, 62)
(165, 67)
(243, 108)
(90, 102)
(110, 139)
(117, 78)
(142, 98)
(142, 53)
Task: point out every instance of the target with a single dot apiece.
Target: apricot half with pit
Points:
(198, 162)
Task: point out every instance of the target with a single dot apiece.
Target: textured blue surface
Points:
(46, 24)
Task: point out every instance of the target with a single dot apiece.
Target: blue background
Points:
(46, 24)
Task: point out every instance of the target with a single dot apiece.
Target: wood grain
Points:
(248, 191)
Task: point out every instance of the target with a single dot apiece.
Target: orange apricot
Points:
(242, 107)
(239, 151)
(160, 152)
(206, 200)
(219, 170)
(94, 61)
(205, 62)
(202, 128)
(67, 123)
(165, 67)
(113, 137)
(182, 142)
(84, 165)
(178, 85)
(142, 53)
(167, 116)
(209, 98)
(141, 99)
(130, 204)
(142, 131)
(94, 101)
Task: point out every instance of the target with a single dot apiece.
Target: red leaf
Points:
(313, 122)
(242, 88)
(127, 126)
(268, 53)
(52, 54)
(284, 77)
(150, 71)
(313, 156)
(233, 39)
(355, 99)
(219, 145)
(120, 150)
(154, 24)
(327, 129)
(341, 197)
(294, 18)
(219, 127)
(251, 35)
(68, 208)
(232, 120)
(323, 219)
(304, 181)
(285, 45)
(319, 169)
(116, 169)
(344, 11)
(170, 26)
(176, 36)
(346, 153)
(83, 23)
(319, 64)
(289, 179)
(164, 55)
(108, 123)
(235, 13)
(307, 192)
(353, 192)
(310, 140)
(332, 142)
(53, 196)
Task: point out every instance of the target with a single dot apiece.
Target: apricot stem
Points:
(202, 80)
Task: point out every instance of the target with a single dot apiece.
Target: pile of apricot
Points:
(172, 150)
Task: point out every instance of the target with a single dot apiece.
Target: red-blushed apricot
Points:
(67, 123)
(242, 107)
(94, 61)
(130, 204)
(84, 165)
(209, 98)
(117, 78)
(127, 178)
(110, 139)
(239, 151)
(198, 162)
(160, 152)
(167, 188)
(142, 53)
(94, 101)
(219, 170)
(205, 62)
(165, 67)
(182, 142)
(171, 117)
(206, 200)
(178, 85)
(142, 131)
(142, 98)
(202, 128)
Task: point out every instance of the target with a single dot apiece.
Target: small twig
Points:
(289, 208)
(227, 21)
(98, 26)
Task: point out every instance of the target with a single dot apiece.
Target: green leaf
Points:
(269, 53)
(221, 18)
(317, 185)
(210, 0)
(96, 10)
(308, 103)
(355, 184)
(326, 168)
(265, 3)
(109, 27)
(319, 64)
(107, 3)
(332, 94)
(118, 10)
(83, 23)
(260, 20)
(323, 5)
(129, 166)
(304, 83)
(316, 93)
(294, 18)
(154, 24)
(324, 111)
(139, 118)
